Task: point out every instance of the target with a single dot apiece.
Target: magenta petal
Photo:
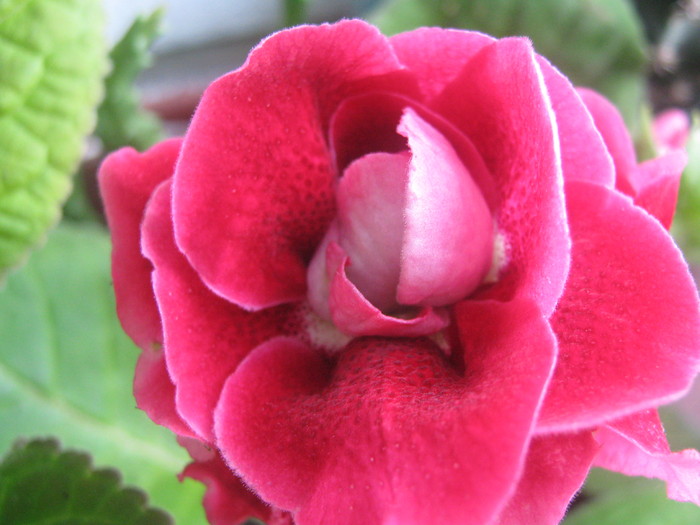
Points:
(255, 176)
(227, 500)
(155, 392)
(436, 56)
(556, 468)
(611, 126)
(636, 445)
(390, 432)
(447, 245)
(627, 324)
(500, 102)
(205, 336)
(127, 179)
(584, 153)
(354, 315)
(657, 183)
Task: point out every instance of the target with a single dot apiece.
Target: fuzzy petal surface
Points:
(609, 122)
(388, 431)
(205, 336)
(555, 470)
(127, 179)
(258, 141)
(630, 301)
(657, 182)
(500, 101)
(636, 445)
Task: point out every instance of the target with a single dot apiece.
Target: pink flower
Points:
(404, 281)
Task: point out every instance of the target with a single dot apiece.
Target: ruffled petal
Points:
(584, 153)
(127, 179)
(628, 324)
(499, 100)
(636, 446)
(437, 56)
(258, 140)
(555, 470)
(205, 336)
(609, 122)
(657, 182)
(154, 392)
(227, 501)
(390, 432)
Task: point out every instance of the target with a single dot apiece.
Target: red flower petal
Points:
(627, 324)
(437, 56)
(671, 129)
(611, 126)
(206, 337)
(390, 433)
(258, 140)
(658, 181)
(584, 153)
(154, 392)
(500, 102)
(127, 180)
(636, 445)
(555, 470)
(227, 500)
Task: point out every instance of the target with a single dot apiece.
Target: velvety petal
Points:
(584, 153)
(353, 314)
(636, 445)
(227, 501)
(500, 102)
(447, 246)
(437, 56)
(127, 179)
(258, 141)
(205, 336)
(671, 129)
(609, 122)
(555, 470)
(657, 182)
(390, 432)
(628, 325)
(154, 392)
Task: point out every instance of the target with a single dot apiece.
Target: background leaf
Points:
(41, 484)
(52, 60)
(638, 503)
(596, 43)
(66, 369)
(120, 119)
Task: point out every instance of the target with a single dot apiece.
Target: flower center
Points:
(413, 227)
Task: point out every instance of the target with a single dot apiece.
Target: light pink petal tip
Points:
(636, 445)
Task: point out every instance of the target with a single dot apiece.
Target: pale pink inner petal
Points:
(371, 202)
(448, 242)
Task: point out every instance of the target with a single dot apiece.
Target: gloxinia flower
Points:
(404, 281)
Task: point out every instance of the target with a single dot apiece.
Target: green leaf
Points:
(294, 12)
(66, 369)
(41, 484)
(596, 43)
(120, 119)
(635, 506)
(52, 59)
